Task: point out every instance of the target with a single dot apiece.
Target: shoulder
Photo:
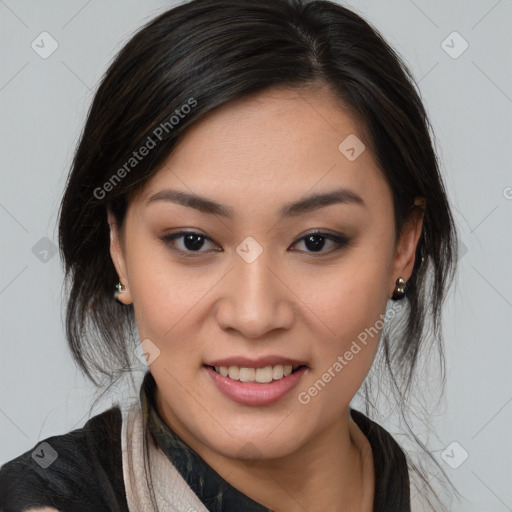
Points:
(381, 440)
(80, 470)
(392, 488)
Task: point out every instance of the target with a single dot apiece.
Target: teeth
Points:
(277, 372)
(261, 375)
(264, 375)
(247, 374)
(234, 372)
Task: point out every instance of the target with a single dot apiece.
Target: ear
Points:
(118, 258)
(403, 263)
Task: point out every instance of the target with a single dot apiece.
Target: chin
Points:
(251, 445)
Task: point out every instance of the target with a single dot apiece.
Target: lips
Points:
(255, 393)
(261, 381)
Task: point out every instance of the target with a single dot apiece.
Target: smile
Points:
(257, 385)
(263, 375)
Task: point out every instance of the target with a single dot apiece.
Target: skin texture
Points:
(256, 155)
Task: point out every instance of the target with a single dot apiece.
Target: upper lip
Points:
(260, 362)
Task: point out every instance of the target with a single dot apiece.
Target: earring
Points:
(120, 287)
(399, 291)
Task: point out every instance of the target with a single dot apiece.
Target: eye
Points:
(316, 240)
(192, 242)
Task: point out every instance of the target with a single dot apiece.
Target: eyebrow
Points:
(305, 205)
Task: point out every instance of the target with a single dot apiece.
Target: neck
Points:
(325, 474)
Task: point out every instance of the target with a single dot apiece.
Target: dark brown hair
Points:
(202, 55)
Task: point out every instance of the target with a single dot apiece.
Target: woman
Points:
(256, 181)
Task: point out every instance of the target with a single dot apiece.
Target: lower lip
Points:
(254, 393)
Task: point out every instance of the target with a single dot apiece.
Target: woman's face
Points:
(252, 288)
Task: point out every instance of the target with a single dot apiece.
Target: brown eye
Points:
(316, 241)
(192, 242)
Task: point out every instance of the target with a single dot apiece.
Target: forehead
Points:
(275, 143)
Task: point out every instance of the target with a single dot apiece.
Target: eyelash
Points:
(340, 240)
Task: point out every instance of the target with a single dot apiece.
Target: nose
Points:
(256, 298)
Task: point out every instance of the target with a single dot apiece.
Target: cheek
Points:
(349, 310)
(165, 295)
(349, 299)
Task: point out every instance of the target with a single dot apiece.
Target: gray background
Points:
(43, 104)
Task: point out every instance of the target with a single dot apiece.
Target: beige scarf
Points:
(171, 491)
